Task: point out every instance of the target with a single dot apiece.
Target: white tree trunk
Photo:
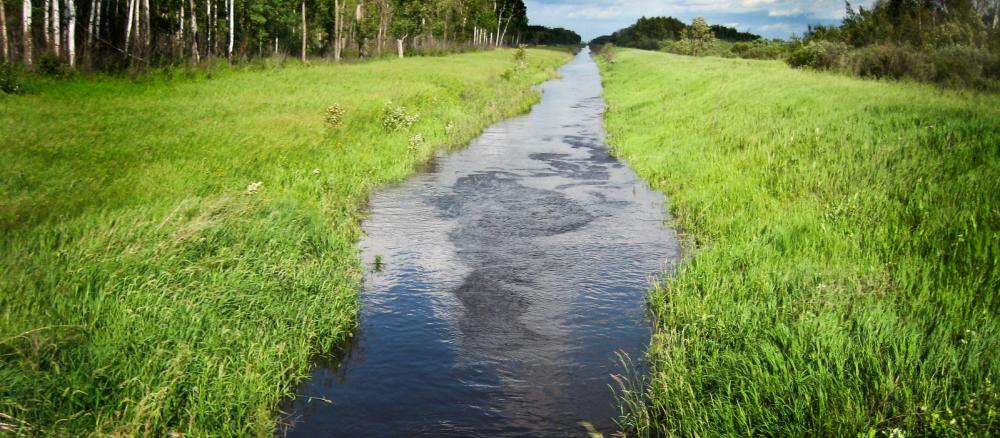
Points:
(90, 25)
(47, 23)
(4, 47)
(232, 28)
(996, 14)
(399, 47)
(208, 26)
(26, 30)
(304, 31)
(195, 56)
(128, 25)
(337, 26)
(71, 33)
(504, 34)
(57, 27)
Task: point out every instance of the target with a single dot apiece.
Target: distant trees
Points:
(540, 35)
(116, 34)
(653, 32)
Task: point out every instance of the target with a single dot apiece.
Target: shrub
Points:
(963, 65)
(608, 52)
(822, 55)
(760, 49)
(8, 80)
(889, 61)
(334, 116)
(395, 117)
(52, 65)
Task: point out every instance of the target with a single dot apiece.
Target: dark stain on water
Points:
(513, 273)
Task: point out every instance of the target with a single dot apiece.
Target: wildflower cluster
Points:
(395, 117)
(334, 116)
(415, 141)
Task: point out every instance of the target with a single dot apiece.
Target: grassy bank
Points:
(152, 286)
(843, 277)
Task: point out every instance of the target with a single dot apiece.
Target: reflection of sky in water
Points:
(513, 271)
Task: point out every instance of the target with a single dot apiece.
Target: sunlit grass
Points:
(175, 251)
(845, 241)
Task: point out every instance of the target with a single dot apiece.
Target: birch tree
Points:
(4, 44)
(71, 33)
(304, 31)
(195, 56)
(26, 31)
(232, 27)
(56, 28)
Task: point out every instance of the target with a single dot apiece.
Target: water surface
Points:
(512, 272)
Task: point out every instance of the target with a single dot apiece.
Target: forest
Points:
(111, 35)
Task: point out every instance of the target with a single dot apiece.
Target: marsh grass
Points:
(175, 250)
(843, 277)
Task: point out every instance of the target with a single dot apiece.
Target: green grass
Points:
(145, 291)
(842, 276)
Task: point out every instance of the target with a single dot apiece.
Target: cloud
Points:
(772, 18)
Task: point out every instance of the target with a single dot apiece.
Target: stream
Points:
(511, 273)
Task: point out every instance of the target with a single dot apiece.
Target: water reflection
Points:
(513, 271)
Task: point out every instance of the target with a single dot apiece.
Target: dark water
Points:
(513, 272)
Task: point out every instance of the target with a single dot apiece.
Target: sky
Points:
(770, 18)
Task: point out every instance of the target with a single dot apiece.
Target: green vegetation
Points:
(697, 39)
(955, 43)
(175, 251)
(842, 274)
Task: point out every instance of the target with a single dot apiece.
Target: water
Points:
(512, 273)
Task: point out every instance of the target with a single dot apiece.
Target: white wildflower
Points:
(252, 187)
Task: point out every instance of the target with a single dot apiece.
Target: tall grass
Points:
(174, 251)
(845, 240)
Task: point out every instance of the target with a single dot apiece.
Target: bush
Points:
(8, 80)
(608, 52)
(334, 116)
(962, 65)
(395, 117)
(760, 49)
(821, 55)
(52, 65)
(889, 61)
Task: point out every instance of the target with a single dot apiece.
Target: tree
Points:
(71, 33)
(699, 36)
(304, 31)
(26, 31)
(4, 47)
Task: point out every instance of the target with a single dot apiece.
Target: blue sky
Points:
(771, 18)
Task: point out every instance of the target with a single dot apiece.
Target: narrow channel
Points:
(510, 275)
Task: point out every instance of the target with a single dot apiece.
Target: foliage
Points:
(265, 28)
(841, 275)
(333, 116)
(395, 117)
(762, 49)
(8, 79)
(818, 54)
(730, 34)
(947, 42)
(175, 251)
(656, 32)
(541, 35)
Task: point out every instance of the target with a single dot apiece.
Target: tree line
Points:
(116, 34)
(952, 42)
(651, 33)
